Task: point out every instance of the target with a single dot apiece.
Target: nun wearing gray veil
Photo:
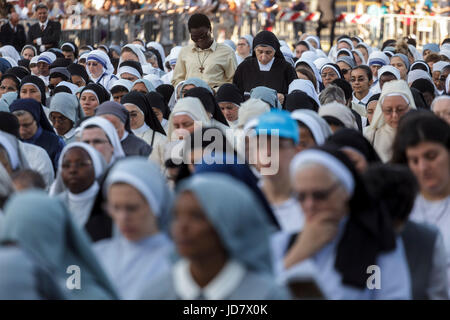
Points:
(222, 242)
(44, 227)
(138, 201)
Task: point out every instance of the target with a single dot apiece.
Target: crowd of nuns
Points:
(100, 172)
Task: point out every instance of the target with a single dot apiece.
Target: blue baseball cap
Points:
(278, 120)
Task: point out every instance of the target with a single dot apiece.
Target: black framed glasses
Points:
(317, 195)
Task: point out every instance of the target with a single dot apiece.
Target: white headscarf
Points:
(159, 47)
(110, 132)
(192, 107)
(146, 67)
(379, 133)
(101, 57)
(317, 125)
(306, 86)
(340, 112)
(11, 52)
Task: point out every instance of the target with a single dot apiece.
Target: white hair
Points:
(437, 99)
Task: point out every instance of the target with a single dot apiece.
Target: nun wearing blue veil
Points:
(222, 240)
(44, 227)
(138, 200)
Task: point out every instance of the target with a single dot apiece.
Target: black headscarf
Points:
(166, 90)
(158, 57)
(209, 103)
(423, 85)
(299, 100)
(9, 124)
(132, 64)
(36, 110)
(368, 231)
(157, 101)
(78, 70)
(36, 81)
(60, 63)
(418, 99)
(353, 138)
(375, 97)
(99, 90)
(19, 72)
(24, 64)
(142, 102)
(229, 92)
(267, 38)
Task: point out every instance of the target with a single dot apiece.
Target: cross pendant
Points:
(201, 69)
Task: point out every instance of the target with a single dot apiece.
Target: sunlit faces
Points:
(42, 14)
(440, 85)
(7, 85)
(28, 126)
(370, 110)
(264, 54)
(77, 170)
(398, 63)
(229, 110)
(299, 49)
(194, 236)
(78, 81)
(243, 48)
(430, 163)
(393, 108)
(343, 45)
(44, 68)
(28, 53)
(34, 69)
(345, 69)
(360, 82)
(30, 91)
(137, 118)
(140, 87)
(89, 102)
(117, 96)
(61, 123)
(116, 122)
(364, 52)
(98, 139)
(131, 212)
(320, 195)
(328, 76)
(183, 125)
(95, 68)
(442, 109)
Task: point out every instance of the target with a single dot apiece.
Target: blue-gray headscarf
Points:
(150, 87)
(236, 215)
(196, 82)
(404, 58)
(44, 226)
(434, 47)
(68, 105)
(267, 95)
(147, 178)
(6, 100)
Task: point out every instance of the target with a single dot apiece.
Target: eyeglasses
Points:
(398, 111)
(78, 165)
(318, 195)
(361, 79)
(95, 141)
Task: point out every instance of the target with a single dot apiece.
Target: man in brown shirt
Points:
(213, 62)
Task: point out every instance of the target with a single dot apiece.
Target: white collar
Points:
(43, 24)
(87, 194)
(125, 135)
(266, 67)
(141, 129)
(363, 100)
(69, 134)
(223, 284)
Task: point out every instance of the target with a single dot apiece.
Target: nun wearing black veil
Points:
(346, 237)
(266, 67)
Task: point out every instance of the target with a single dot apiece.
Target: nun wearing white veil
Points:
(106, 76)
(381, 131)
(138, 200)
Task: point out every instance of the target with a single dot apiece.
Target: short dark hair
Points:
(41, 6)
(366, 69)
(446, 40)
(393, 186)
(198, 20)
(419, 126)
(118, 88)
(13, 78)
(388, 43)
